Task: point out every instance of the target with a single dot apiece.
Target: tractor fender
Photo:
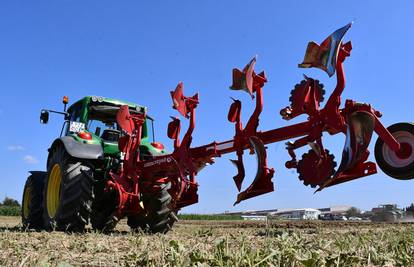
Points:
(37, 172)
(77, 149)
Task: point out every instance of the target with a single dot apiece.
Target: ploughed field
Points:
(215, 243)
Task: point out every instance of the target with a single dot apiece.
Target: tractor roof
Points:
(106, 100)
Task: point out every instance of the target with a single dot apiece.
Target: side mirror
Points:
(44, 116)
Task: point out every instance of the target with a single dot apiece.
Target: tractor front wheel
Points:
(32, 201)
(68, 192)
(399, 165)
(102, 209)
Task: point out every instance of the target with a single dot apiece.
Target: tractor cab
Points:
(92, 120)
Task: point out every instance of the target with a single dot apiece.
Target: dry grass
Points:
(215, 243)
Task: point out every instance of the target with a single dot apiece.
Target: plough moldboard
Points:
(316, 168)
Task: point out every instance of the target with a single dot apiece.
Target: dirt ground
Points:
(215, 243)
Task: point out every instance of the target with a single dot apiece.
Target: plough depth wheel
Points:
(398, 165)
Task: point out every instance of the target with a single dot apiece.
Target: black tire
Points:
(160, 215)
(76, 193)
(32, 201)
(104, 205)
(138, 223)
(103, 222)
(389, 162)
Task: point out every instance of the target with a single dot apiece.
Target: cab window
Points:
(97, 127)
(75, 112)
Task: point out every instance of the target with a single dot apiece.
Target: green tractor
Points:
(72, 191)
(387, 213)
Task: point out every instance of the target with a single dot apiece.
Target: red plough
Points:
(316, 168)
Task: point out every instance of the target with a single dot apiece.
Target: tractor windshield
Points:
(98, 127)
(102, 121)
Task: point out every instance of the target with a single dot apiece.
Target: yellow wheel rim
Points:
(53, 190)
(26, 201)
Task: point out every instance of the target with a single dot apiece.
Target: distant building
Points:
(297, 214)
(254, 217)
(251, 212)
(335, 210)
(292, 214)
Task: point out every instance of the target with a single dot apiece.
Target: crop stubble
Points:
(215, 243)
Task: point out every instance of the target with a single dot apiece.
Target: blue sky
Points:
(139, 51)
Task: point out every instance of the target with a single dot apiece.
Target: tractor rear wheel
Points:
(32, 208)
(398, 165)
(160, 215)
(68, 192)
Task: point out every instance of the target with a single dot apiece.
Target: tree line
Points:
(9, 207)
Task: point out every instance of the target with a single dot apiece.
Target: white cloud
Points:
(30, 159)
(15, 148)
